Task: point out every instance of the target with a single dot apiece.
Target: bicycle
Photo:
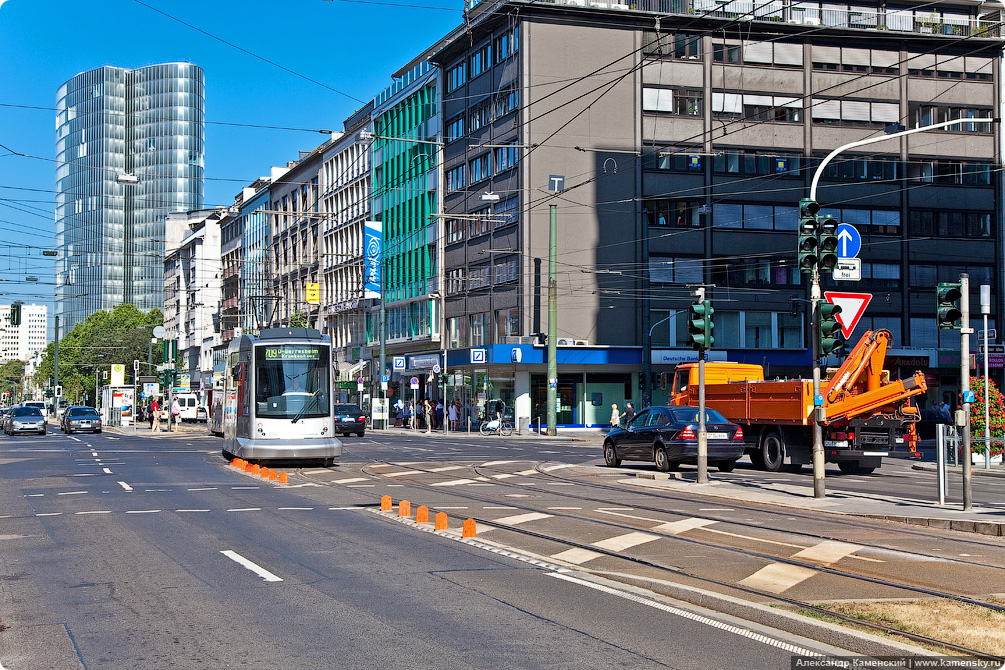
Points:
(502, 427)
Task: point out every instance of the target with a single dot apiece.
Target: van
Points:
(189, 404)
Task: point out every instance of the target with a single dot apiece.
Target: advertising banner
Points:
(372, 252)
(118, 375)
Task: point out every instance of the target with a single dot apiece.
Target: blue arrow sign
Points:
(849, 241)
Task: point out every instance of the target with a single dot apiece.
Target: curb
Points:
(977, 471)
(993, 528)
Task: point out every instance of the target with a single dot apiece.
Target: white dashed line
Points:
(107, 471)
(70, 493)
(257, 569)
(49, 514)
(350, 480)
(455, 482)
(127, 487)
(191, 510)
(34, 495)
(245, 509)
(142, 511)
(102, 511)
(297, 508)
(209, 488)
(244, 488)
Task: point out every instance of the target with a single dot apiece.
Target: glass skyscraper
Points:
(129, 149)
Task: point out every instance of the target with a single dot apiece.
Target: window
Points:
(680, 102)
(862, 168)
(854, 112)
(506, 44)
(738, 161)
(481, 60)
(687, 103)
(507, 100)
(507, 211)
(456, 76)
(478, 277)
(671, 270)
(743, 272)
(678, 45)
(930, 223)
(455, 280)
(508, 323)
(506, 157)
(480, 168)
(455, 128)
(480, 116)
(726, 53)
(455, 230)
(455, 332)
(676, 213)
(506, 270)
(480, 329)
(456, 178)
(957, 173)
(923, 114)
(481, 222)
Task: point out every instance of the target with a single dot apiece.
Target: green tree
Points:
(11, 376)
(996, 415)
(104, 338)
(298, 320)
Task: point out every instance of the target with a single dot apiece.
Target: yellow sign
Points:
(314, 293)
(118, 374)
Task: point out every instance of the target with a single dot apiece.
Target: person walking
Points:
(453, 414)
(629, 413)
(615, 415)
(427, 414)
(155, 416)
(439, 414)
(175, 415)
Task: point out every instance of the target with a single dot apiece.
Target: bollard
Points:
(284, 478)
(469, 528)
(255, 469)
(273, 475)
(440, 521)
(385, 503)
(422, 514)
(264, 473)
(404, 508)
(234, 462)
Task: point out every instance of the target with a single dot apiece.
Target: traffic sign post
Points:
(849, 241)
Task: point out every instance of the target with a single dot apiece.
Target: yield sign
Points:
(852, 307)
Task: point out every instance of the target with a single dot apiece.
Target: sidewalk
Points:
(982, 520)
(144, 429)
(574, 434)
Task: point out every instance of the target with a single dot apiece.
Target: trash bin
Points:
(523, 425)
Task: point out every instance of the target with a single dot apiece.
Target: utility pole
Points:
(965, 330)
(55, 368)
(702, 432)
(552, 318)
(985, 310)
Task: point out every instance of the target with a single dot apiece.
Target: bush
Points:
(996, 415)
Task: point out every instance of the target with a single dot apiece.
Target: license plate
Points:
(841, 444)
(717, 436)
(85, 424)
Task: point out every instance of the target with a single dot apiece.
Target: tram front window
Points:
(291, 381)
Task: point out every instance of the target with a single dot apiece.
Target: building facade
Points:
(22, 342)
(673, 150)
(129, 150)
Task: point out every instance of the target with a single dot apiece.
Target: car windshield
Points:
(27, 411)
(690, 415)
(347, 409)
(83, 411)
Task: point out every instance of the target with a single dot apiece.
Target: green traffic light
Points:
(948, 313)
(700, 325)
(828, 243)
(828, 329)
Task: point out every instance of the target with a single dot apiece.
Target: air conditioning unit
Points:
(562, 342)
(582, 343)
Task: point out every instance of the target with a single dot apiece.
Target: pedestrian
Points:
(427, 413)
(500, 408)
(454, 414)
(615, 416)
(411, 414)
(629, 412)
(175, 415)
(439, 413)
(155, 416)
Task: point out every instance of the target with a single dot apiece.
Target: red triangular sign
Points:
(852, 307)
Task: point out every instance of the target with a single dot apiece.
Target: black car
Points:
(668, 436)
(349, 419)
(25, 420)
(81, 418)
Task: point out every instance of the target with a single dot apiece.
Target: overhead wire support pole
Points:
(552, 319)
(819, 411)
(965, 331)
(702, 431)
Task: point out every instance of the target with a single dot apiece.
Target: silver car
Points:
(25, 420)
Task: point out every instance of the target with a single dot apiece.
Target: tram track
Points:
(639, 560)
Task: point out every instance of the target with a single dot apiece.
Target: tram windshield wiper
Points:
(303, 410)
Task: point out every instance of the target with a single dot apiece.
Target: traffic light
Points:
(827, 243)
(807, 247)
(829, 330)
(948, 312)
(663, 381)
(699, 325)
(15, 314)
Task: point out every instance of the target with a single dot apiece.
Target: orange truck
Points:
(867, 414)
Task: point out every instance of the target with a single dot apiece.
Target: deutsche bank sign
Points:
(372, 239)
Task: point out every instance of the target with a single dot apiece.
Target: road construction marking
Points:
(257, 569)
(70, 493)
(778, 577)
(127, 487)
(678, 527)
(626, 541)
(350, 480)
(455, 482)
(827, 552)
(107, 471)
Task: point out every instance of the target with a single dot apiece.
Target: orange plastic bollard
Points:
(255, 469)
(248, 467)
(404, 508)
(284, 478)
(440, 522)
(264, 473)
(469, 528)
(234, 462)
(422, 514)
(385, 503)
(273, 475)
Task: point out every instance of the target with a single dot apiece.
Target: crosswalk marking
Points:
(827, 552)
(778, 577)
(678, 527)
(626, 541)
(446, 468)
(517, 519)
(576, 556)
(524, 473)
(398, 474)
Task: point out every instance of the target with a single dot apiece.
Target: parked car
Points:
(25, 420)
(201, 414)
(4, 415)
(668, 436)
(349, 419)
(81, 418)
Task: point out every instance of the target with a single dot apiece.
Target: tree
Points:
(996, 415)
(298, 320)
(11, 377)
(121, 335)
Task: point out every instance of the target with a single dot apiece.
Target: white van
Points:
(189, 404)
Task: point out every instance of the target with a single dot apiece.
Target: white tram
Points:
(278, 402)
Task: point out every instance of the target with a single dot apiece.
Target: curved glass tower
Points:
(129, 149)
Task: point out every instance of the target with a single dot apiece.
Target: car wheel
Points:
(345, 434)
(42, 433)
(359, 434)
(98, 430)
(611, 455)
(662, 459)
(726, 466)
(772, 452)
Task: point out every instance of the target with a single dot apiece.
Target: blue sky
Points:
(351, 46)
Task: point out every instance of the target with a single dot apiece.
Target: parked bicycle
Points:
(502, 427)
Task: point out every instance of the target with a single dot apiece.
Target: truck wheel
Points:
(611, 456)
(853, 468)
(772, 452)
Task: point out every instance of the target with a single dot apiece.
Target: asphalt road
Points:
(122, 551)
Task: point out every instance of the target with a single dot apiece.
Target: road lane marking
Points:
(70, 493)
(716, 509)
(350, 480)
(517, 519)
(560, 508)
(552, 468)
(360, 486)
(827, 552)
(244, 488)
(626, 541)
(127, 487)
(191, 510)
(107, 471)
(576, 556)
(693, 616)
(684, 525)
(34, 495)
(101, 511)
(296, 508)
(778, 577)
(142, 511)
(48, 514)
(257, 569)
(499, 507)
(245, 509)
(94, 453)
(455, 482)
(209, 488)
(448, 467)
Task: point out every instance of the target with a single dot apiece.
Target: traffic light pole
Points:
(702, 433)
(819, 490)
(965, 330)
(552, 319)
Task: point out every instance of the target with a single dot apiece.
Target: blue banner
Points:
(372, 241)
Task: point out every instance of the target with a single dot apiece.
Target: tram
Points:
(277, 397)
